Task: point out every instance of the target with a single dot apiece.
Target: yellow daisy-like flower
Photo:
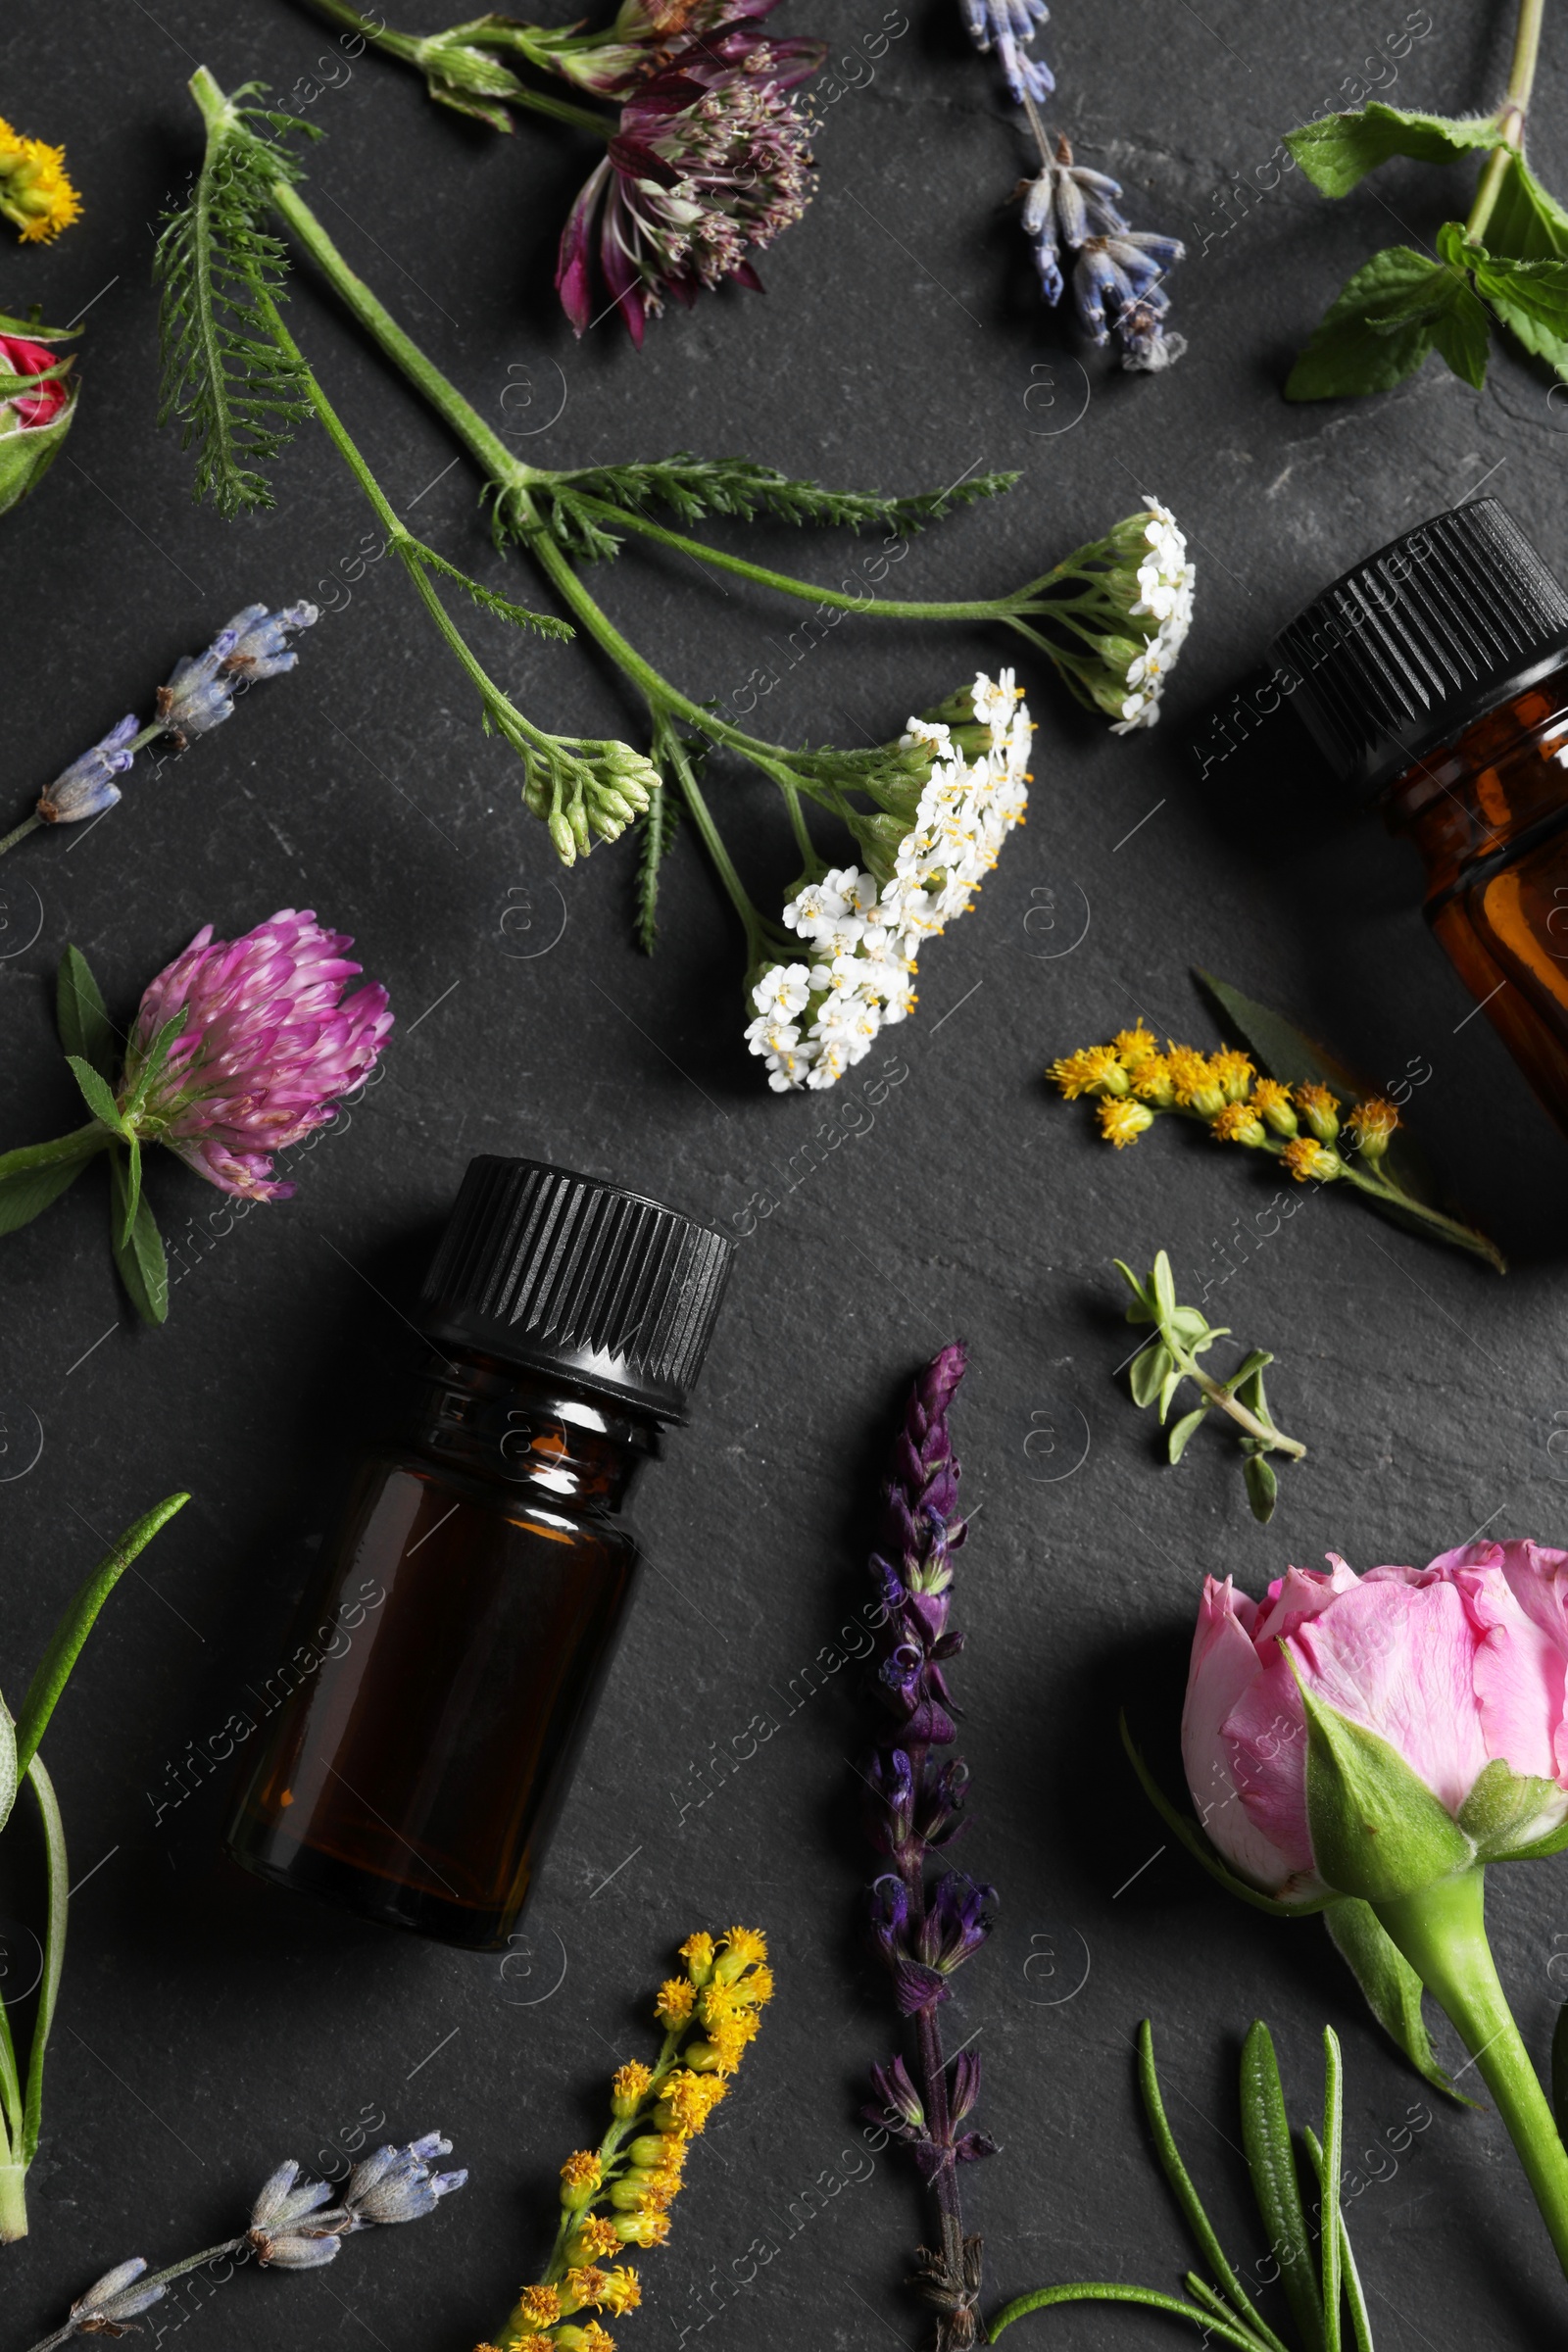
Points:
(1134, 1046)
(1239, 1123)
(1234, 1071)
(1372, 1123)
(743, 1945)
(1305, 1159)
(594, 2236)
(1092, 1070)
(1321, 1111)
(1122, 1123)
(540, 2306)
(621, 2292)
(697, 1953)
(1152, 1082)
(628, 2086)
(1272, 1103)
(1194, 1080)
(35, 191)
(580, 2175)
(592, 2338)
(583, 2286)
(677, 1996)
(642, 2228)
(689, 2100)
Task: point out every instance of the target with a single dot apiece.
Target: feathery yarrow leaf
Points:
(415, 551)
(236, 394)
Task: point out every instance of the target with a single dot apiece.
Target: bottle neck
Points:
(523, 1429)
(1503, 781)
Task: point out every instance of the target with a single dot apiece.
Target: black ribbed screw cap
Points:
(1407, 649)
(566, 1273)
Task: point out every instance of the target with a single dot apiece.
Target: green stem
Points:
(1219, 1394)
(175, 2270)
(13, 2203)
(9, 841)
(1441, 1932)
(755, 922)
(1381, 1187)
(1512, 119)
(410, 50)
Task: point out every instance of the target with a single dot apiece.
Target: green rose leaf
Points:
(1339, 151)
(1347, 355)
(1389, 1985)
(1504, 1808)
(1378, 1831)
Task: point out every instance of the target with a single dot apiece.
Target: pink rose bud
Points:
(1322, 1722)
(36, 410)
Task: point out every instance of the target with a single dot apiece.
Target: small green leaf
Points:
(24, 1192)
(1262, 1487)
(1183, 1431)
(81, 1015)
(1271, 2160)
(1528, 223)
(1333, 2152)
(1389, 1984)
(153, 1062)
(1149, 1371)
(66, 1642)
(132, 1190)
(1354, 2293)
(54, 1949)
(1250, 1363)
(1532, 299)
(1187, 2196)
(97, 1095)
(1168, 1389)
(1339, 151)
(139, 1261)
(1164, 1288)
(1347, 355)
(1188, 1324)
(1141, 1309)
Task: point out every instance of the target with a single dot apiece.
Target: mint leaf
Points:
(1526, 223)
(81, 1015)
(1339, 151)
(1530, 297)
(1347, 355)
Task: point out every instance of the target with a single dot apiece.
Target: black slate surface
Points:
(210, 2026)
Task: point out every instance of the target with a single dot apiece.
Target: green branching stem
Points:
(425, 57)
(1512, 121)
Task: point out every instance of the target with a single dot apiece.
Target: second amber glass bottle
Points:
(1435, 677)
(443, 1673)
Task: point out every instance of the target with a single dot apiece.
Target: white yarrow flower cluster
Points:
(818, 1017)
(1165, 584)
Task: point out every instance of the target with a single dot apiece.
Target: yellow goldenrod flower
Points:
(580, 2175)
(34, 192)
(1194, 1080)
(1239, 1123)
(689, 2100)
(742, 1947)
(642, 2228)
(1306, 1157)
(697, 1953)
(1152, 1082)
(628, 2086)
(677, 1997)
(621, 2292)
(525, 2343)
(1234, 1071)
(592, 2338)
(540, 2306)
(581, 2288)
(1122, 1123)
(1272, 1103)
(1135, 1046)
(1092, 1070)
(1372, 1123)
(1320, 1109)
(593, 2236)
(654, 2148)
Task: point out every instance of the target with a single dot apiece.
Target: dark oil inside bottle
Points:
(441, 1677)
(1489, 815)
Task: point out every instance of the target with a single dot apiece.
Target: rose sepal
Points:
(1377, 1829)
(26, 454)
(1189, 1829)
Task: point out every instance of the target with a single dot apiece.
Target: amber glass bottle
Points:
(1434, 676)
(444, 1670)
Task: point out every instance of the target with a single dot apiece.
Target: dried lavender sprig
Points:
(292, 2226)
(925, 1930)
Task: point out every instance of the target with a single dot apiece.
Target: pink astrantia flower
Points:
(1456, 1665)
(711, 161)
(269, 1043)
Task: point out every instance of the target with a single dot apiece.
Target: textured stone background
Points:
(209, 2024)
